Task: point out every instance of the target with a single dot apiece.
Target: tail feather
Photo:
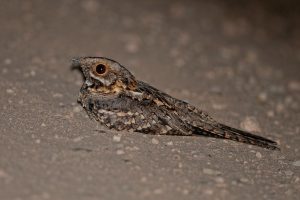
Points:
(226, 132)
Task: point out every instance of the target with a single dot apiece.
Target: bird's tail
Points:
(226, 132)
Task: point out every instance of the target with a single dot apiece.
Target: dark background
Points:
(238, 60)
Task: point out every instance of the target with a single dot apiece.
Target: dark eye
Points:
(100, 69)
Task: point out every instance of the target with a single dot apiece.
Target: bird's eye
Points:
(100, 69)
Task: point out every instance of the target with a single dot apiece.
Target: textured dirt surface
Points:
(240, 62)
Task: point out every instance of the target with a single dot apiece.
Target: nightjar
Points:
(115, 98)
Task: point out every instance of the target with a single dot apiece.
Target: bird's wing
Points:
(136, 111)
(199, 122)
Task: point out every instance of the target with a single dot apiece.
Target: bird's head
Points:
(103, 75)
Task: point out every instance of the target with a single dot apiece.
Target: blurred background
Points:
(238, 60)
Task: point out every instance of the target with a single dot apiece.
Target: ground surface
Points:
(238, 62)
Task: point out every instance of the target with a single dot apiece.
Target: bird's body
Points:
(112, 96)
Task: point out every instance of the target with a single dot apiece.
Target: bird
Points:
(112, 95)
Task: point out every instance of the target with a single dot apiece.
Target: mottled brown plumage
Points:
(112, 96)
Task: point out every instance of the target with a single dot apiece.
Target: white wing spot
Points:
(121, 114)
(106, 112)
(128, 122)
(129, 113)
(136, 93)
(158, 102)
(164, 131)
(168, 128)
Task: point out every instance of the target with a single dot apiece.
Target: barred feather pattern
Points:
(119, 101)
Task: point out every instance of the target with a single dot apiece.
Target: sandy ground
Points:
(238, 62)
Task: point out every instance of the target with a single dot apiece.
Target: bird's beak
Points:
(76, 63)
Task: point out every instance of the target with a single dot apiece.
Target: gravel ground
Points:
(240, 62)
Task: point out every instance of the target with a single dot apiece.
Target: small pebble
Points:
(288, 172)
(218, 106)
(90, 6)
(7, 61)
(57, 95)
(157, 191)
(120, 152)
(132, 47)
(3, 174)
(77, 139)
(32, 73)
(185, 192)
(219, 180)
(208, 191)
(154, 141)
(43, 125)
(180, 165)
(297, 163)
(45, 195)
(210, 171)
(9, 91)
(77, 109)
(262, 97)
(270, 113)
(258, 155)
(144, 179)
(294, 85)
(4, 71)
(116, 138)
(169, 143)
(244, 180)
(279, 108)
(250, 124)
